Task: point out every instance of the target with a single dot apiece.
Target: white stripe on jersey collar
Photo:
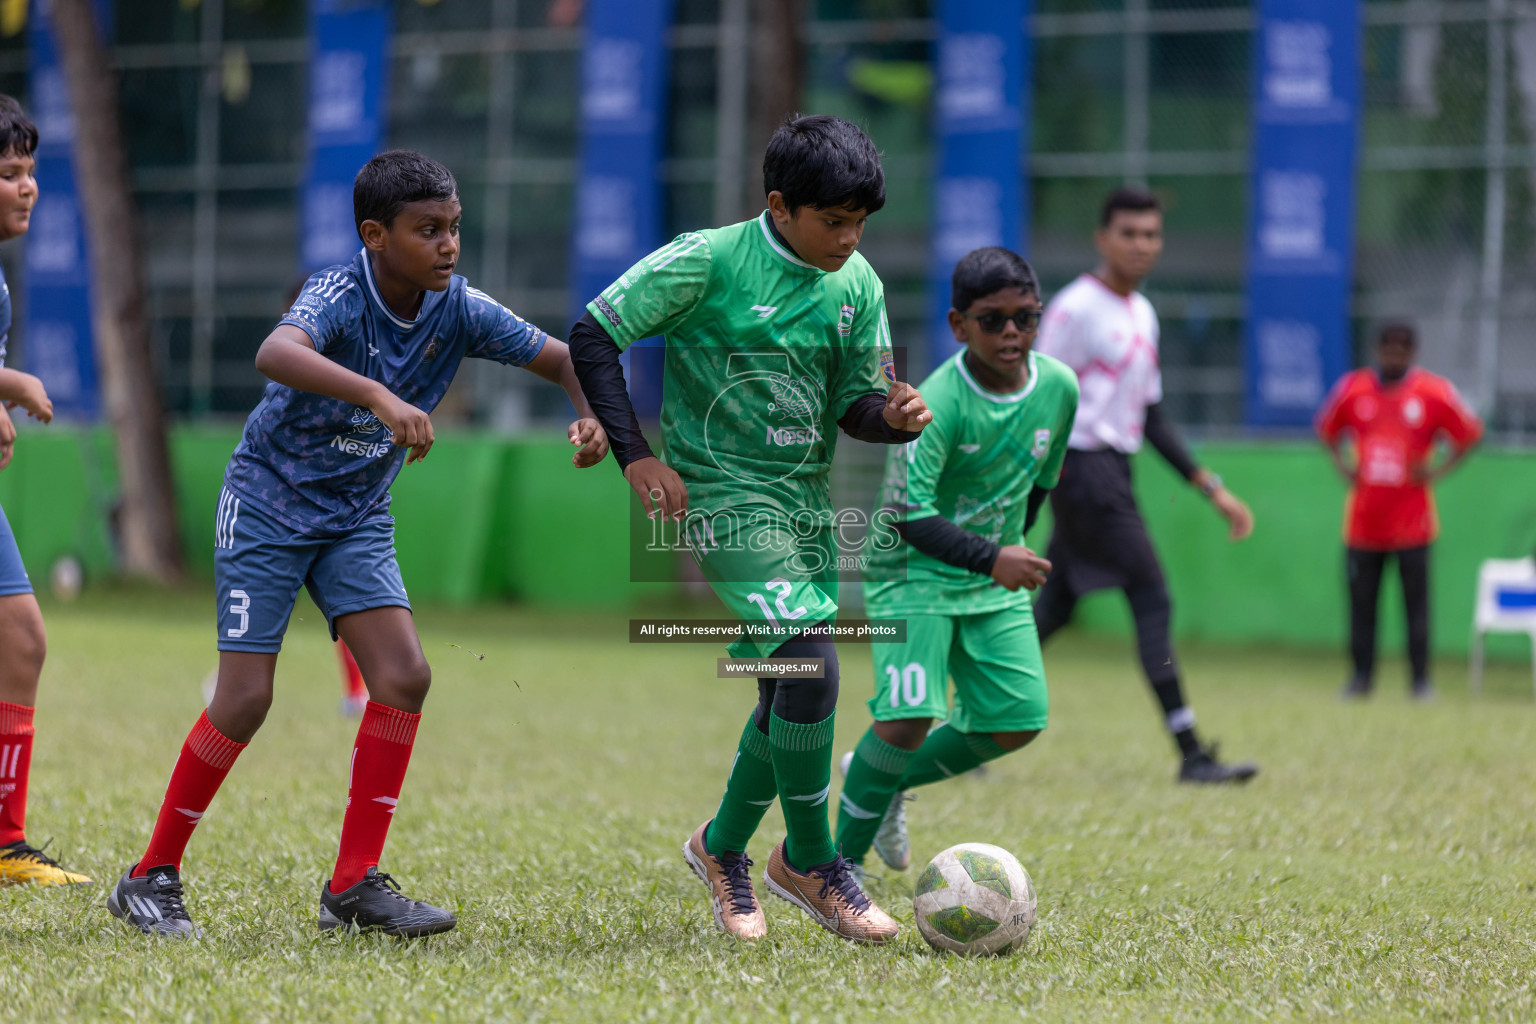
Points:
(762, 222)
(373, 290)
(1017, 396)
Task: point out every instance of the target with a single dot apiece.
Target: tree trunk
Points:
(148, 540)
(778, 66)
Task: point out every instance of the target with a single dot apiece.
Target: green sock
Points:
(873, 778)
(802, 764)
(948, 752)
(749, 792)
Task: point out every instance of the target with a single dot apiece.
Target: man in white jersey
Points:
(1106, 331)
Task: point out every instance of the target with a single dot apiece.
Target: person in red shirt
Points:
(1396, 415)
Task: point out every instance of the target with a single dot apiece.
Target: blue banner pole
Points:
(1301, 234)
(59, 344)
(623, 138)
(348, 78)
(980, 107)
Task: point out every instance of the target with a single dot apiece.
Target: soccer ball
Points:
(975, 899)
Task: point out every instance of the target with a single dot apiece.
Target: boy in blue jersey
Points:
(22, 640)
(362, 358)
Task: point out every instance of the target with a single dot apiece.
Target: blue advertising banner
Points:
(59, 339)
(348, 73)
(623, 139)
(980, 107)
(1301, 238)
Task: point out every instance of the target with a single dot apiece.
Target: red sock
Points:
(352, 676)
(206, 758)
(379, 760)
(15, 760)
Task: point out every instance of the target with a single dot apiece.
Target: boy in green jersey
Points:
(776, 338)
(946, 554)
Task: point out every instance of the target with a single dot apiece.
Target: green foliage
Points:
(1381, 868)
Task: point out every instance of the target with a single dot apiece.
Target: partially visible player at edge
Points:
(776, 338)
(364, 355)
(948, 556)
(354, 691)
(1107, 332)
(1394, 414)
(23, 642)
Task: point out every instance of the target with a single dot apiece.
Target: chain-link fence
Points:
(213, 94)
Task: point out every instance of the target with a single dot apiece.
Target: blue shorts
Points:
(13, 575)
(259, 565)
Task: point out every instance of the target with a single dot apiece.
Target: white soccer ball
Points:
(975, 899)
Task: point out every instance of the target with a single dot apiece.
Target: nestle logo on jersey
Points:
(786, 437)
(367, 449)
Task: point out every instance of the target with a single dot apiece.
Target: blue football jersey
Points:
(320, 465)
(5, 316)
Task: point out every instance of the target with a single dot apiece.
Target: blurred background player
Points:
(365, 354)
(963, 496)
(23, 642)
(1105, 329)
(354, 691)
(1395, 414)
(776, 338)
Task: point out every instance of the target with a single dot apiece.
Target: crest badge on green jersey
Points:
(976, 465)
(888, 365)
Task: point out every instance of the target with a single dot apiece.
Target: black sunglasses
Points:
(1026, 320)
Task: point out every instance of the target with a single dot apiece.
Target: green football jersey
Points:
(764, 353)
(975, 465)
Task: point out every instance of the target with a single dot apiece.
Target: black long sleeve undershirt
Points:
(1161, 435)
(864, 420)
(596, 359)
(938, 537)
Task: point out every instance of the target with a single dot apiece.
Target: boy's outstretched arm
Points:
(905, 409)
(25, 390)
(288, 357)
(602, 379)
(7, 437)
(553, 363)
(1010, 565)
(893, 418)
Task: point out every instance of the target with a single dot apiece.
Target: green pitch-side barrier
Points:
(491, 518)
(1286, 583)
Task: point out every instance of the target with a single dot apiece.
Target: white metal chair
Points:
(1506, 603)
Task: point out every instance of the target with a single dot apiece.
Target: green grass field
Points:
(1383, 866)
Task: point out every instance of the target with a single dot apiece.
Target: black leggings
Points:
(1365, 569)
(1150, 607)
(802, 701)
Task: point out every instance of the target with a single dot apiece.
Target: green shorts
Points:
(767, 569)
(994, 658)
